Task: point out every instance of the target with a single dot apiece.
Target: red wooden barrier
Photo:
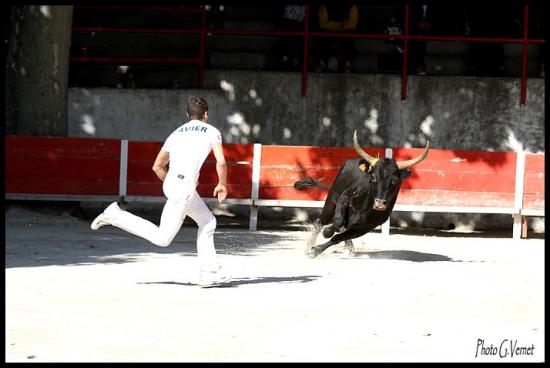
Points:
(466, 180)
(459, 178)
(60, 165)
(533, 186)
(142, 181)
(239, 159)
(282, 166)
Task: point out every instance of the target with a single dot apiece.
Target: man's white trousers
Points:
(182, 200)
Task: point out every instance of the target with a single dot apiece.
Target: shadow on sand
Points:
(405, 255)
(244, 281)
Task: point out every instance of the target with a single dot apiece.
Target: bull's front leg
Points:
(338, 238)
(340, 216)
(348, 245)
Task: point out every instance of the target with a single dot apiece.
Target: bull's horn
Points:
(360, 151)
(405, 164)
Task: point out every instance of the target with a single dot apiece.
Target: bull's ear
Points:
(404, 174)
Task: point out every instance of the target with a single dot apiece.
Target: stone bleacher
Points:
(260, 52)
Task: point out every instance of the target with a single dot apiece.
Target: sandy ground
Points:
(75, 295)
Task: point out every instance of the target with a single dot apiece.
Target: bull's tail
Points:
(309, 183)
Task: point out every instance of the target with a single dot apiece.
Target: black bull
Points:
(361, 198)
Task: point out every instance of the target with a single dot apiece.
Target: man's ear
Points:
(404, 174)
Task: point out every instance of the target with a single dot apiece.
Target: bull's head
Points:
(386, 174)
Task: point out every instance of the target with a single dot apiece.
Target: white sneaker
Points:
(212, 278)
(105, 217)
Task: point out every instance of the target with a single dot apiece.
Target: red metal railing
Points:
(147, 9)
(524, 54)
(306, 43)
(140, 60)
(306, 34)
(405, 54)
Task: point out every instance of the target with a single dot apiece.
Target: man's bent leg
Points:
(172, 218)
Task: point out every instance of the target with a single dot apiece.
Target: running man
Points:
(178, 166)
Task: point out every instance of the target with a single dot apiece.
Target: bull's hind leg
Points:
(313, 237)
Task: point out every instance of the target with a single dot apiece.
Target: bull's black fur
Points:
(349, 208)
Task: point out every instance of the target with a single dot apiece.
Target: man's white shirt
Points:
(189, 146)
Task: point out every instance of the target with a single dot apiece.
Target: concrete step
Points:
(138, 52)
(448, 48)
(249, 25)
(514, 50)
(238, 60)
(365, 64)
(263, 11)
(241, 43)
(375, 46)
(132, 40)
(512, 68)
(109, 76)
(131, 19)
(446, 65)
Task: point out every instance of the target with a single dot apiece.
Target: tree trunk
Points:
(37, 70)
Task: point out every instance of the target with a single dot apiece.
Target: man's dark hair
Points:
(196, 107)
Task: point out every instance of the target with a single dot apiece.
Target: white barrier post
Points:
(255, 186)
(386, 225)
(518, 195)
(123, 171)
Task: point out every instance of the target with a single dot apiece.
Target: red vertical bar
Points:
(306, 44)
(202, 46)
(405, 54)
(524, 55)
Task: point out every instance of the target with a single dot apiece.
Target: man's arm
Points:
(327, 25)
(351, 21)
(221, 168)
(160, 167)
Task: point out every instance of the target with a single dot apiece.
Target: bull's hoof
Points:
(349, 251)
(312, 253)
